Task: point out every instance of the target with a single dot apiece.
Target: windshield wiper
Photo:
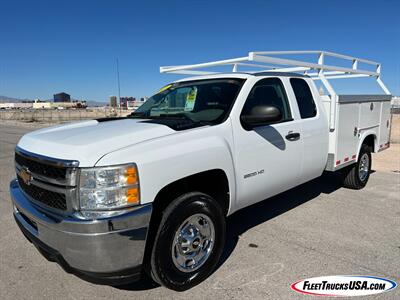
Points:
(141, 115)
(177, 116)
(136, 114)
(181, 116)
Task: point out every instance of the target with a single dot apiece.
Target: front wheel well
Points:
(212, 182)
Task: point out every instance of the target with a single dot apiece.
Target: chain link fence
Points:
(57, 116)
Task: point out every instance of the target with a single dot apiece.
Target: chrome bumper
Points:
(107, 246)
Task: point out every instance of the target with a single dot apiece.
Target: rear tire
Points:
(189, 241)
(356, 176)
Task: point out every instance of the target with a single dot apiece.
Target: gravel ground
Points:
(313, 230)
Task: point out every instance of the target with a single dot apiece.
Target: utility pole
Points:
(119, 88)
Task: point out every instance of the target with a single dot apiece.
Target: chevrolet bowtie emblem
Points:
(26, 176)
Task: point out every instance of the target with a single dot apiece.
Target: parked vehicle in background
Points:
(110, 198)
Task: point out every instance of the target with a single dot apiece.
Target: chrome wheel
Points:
(193, 243)
(363, 168)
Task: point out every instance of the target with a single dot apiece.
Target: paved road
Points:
(314, 230)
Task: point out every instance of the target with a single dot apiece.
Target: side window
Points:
(304, 98)
(268, 91)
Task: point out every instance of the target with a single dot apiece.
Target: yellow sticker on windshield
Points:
(164, 88)
(191, 99)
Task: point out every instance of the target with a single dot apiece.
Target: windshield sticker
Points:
(191, 99)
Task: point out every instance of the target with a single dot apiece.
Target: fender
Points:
(363, 136)
(164, 160)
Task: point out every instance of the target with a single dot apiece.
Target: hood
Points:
(88, 141)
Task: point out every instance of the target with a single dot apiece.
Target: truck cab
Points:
(110, 198)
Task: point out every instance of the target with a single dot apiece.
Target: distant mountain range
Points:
(11, 99)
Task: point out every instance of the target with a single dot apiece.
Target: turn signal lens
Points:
(131, 175)
(132, 195)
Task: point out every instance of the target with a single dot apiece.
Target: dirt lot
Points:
(313, 230)
(395, 129)
(389, 161)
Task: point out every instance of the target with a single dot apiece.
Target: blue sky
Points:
(53, 46)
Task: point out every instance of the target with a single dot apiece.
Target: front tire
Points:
(189, 241)
(357, 175)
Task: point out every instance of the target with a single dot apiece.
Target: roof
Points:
(242, 75)
(286, 74)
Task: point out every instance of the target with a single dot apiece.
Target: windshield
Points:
(197, 102)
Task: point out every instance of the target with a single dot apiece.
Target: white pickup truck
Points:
(110, 198)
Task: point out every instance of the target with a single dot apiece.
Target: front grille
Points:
(46, 180)
(53, 172)
(49, 198)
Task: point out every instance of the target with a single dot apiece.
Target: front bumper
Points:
(107, 251)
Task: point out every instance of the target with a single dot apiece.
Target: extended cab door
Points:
(268, 157)
(314, 124)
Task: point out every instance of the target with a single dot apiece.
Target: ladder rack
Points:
(269, 61)
(272, 61)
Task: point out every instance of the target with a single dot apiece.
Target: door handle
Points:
(292, 136)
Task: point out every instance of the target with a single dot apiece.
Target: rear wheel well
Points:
(370, 142)
(212, 182)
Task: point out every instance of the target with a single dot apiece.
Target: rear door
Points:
(268, 157)
(314, 128)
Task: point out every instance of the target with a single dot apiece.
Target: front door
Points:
(268, 157)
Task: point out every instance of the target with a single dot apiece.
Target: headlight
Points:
(108, 188)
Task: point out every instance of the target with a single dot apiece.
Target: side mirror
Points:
(261, 115)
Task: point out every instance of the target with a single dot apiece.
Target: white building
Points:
(133, 105)
(15, 105)
(396, 102)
